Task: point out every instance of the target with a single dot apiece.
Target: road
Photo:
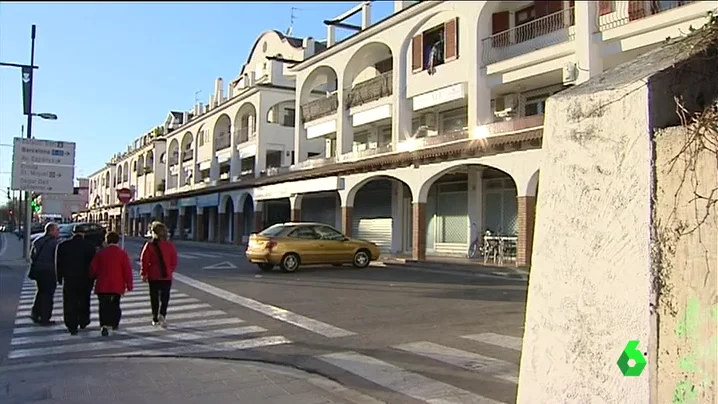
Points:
(399, 335)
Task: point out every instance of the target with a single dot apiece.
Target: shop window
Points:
(435, 46)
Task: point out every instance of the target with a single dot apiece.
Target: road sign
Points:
(41, 151)
(43, 178)
(124, 195)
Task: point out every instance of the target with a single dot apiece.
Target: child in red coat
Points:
(112, 270)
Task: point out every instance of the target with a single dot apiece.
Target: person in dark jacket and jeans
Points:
(159, 261)
(112, 270)
(42, 271)
(74, 257)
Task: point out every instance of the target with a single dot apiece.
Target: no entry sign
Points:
(124, 195)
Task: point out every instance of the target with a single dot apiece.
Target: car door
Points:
(332, 242)
(304, 241)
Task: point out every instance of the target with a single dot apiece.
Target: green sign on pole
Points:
(35, 206)
(632, 361)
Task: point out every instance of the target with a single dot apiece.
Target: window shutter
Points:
(605, 7)
(553, 6)
(451, 40)
(636, 10)
(499, 22)
(417, 53)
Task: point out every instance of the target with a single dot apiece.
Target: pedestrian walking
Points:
(42, 271)
(112, 271)
(159, 261)
(73, 260)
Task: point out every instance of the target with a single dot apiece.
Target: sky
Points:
(112, 71)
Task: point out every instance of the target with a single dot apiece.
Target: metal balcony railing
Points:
(370, 90)
(612, 14)
(243, 135)
(543, 32)
(222, 142)
(361, 154)
(320, 108)
(187, 155)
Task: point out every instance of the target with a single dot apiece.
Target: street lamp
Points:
(46, 115)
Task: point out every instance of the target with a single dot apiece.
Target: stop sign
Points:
(124, 195)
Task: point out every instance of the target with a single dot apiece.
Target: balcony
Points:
(370, 90)
(322, 107)
(361, 154)
(540, 33)
(614, 14)
(222, 143)
(188, 155)
(244, 135)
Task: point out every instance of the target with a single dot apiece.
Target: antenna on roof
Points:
(196, 99)
(292, 17)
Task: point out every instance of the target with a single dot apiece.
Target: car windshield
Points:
(272, 230)
(66, 228)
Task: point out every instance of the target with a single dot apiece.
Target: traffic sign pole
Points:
(124, 195)
(28, 84)
(123, 214)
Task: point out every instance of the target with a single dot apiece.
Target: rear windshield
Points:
(272, 230)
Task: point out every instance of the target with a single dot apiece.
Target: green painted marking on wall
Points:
(685, 393)
(688, 327)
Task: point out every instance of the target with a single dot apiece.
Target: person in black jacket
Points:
(42, 271)
(73, 268)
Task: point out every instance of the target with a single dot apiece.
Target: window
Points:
(384, 66)
(606, 7)
(289, 116)
(453, 121)
(535, 105)
(435, 47)
(327, 233)
(272, 230)
(304, 233)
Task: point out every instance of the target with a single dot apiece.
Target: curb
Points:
(514, 273)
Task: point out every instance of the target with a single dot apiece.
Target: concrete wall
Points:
(687, 241)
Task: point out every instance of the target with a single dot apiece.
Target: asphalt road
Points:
(398, 335)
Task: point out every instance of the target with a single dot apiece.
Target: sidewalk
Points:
(168, 380)
(11, 251)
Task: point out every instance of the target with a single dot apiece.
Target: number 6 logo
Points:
(631, 362)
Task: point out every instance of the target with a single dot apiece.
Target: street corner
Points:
(158, 380)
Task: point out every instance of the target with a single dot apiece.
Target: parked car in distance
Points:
(93, 232)
(289, 245)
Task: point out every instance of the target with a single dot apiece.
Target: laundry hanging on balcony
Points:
(435, 56)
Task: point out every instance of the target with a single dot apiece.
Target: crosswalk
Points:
(195, 327)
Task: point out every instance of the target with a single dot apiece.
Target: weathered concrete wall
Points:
(686, 219)
(590, 287)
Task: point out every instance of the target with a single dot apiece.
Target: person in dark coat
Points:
(73, 260)
(42, 271)
(112, 270)
(159, 261)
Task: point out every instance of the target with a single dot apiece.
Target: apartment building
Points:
(418, 132)
(63, 207)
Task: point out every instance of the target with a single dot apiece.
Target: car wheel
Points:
(361, 259)
(290, 263)
(266, 267)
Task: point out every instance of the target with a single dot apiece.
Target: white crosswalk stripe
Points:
(421, 387)
(194, 326)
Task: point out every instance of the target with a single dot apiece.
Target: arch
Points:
(126, 172)
(140, 165)
(532, 184)
(245, 122)
(173, 152)
(323, 78)
(221, 132)
(277, 114)
(201, 138)
(134, 165)
(107, 179)
(150, 159)
(158, 212)
(364, 63)
(242, 198)
(453, 165)
(349, 196)
(187, 147)
(228, 205)
(484, 19)
(120, 174)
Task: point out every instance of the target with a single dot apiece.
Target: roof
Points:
(650, 63)
(293, 41)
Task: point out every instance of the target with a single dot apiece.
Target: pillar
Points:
(258, 220)
(588, 51)
(300, 133)
(526, 215)
(347, 220)
(295, 206)
(238, 227)
(180, 224)
(402, 113)
(345, 130)
(418, 245)
(221, 236)
(199, 225)
(212, 222)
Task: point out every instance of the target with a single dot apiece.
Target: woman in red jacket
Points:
(112, 270)
(159, 261)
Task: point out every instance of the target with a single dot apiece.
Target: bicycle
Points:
(475, 248)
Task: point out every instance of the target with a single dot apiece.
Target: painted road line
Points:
(504, 341)
(275, 312)
(463, 359)
(133, 298)
(134, 294)
(402, 381)
(31, 328)
(125, 302)
(142, 329)
(58, 293)
(186, 256)
(111, 343)
(129, 313)
(214, 347)
(57, 311)
(205, 255)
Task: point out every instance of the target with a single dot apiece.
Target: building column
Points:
(300, 133)
(180, 224)
(295, 204)
(222, 227)
(397, 214)
(238, 227)
(213, 224)
(345, 130)
(347, 212)
(258, 216)
(402, 113)
(526, 216)
(588, 51)
(476, 202)
(235, 162)
(418, 245)
(198, 232)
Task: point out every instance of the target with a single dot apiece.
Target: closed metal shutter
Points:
(372, 220)
(320, 210)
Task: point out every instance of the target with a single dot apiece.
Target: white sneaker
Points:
(162, 320)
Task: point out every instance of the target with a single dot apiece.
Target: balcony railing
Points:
(222, 143)
(370, 90)
(361, 154)
(540, 33)
(243, 135)
(614, 14)
(320, 108)
(187, 155)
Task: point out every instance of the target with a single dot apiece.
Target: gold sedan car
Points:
(291, 244)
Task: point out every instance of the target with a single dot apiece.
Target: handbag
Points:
(163, 265)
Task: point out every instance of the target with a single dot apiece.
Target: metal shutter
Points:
(320, 210)
(372, 220)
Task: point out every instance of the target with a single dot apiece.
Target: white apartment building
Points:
(418, 132)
